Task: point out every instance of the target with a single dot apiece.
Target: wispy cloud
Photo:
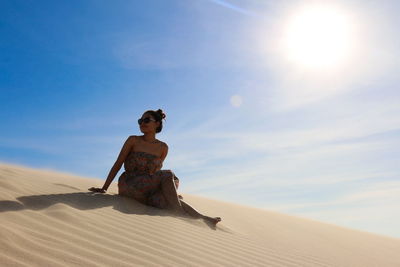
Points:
(369, 207)
(332, 158)
(232, 7)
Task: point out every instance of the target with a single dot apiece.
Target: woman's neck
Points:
(149, 137)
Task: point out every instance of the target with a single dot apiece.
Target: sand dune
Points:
(50, 219)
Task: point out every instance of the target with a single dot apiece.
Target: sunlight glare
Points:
(317, 37)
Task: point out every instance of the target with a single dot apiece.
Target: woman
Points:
(143, 178)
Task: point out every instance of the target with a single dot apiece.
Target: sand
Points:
(51, 219)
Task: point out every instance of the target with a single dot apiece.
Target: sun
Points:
(317, 37)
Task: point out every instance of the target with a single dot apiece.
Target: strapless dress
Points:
(142, 179)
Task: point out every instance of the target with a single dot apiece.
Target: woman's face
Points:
(149, 127)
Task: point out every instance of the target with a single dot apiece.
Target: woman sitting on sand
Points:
(143, 179)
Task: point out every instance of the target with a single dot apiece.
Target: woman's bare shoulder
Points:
(133, 138)
(164, 146)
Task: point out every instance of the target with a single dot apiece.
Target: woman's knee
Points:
(168, 176)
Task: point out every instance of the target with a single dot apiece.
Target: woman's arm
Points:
(128, 145)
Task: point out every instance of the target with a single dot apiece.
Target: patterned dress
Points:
(142, 178)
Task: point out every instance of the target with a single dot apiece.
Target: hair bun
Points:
(162, 114)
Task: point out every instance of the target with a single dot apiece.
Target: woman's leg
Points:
(122, 186)
(169, 191)
(168, 188)
(195, 214)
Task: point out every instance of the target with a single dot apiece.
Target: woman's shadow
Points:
(79, 200)
(84, 201)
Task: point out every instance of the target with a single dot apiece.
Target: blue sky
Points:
(245, 123)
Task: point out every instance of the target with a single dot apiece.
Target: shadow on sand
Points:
(87, 201)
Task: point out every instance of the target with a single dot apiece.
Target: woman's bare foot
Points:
(212, 220)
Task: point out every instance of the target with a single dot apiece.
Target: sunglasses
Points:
(145, 120)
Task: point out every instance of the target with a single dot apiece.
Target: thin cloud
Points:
(233, 7)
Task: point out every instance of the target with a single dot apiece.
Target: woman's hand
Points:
(98, 190)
